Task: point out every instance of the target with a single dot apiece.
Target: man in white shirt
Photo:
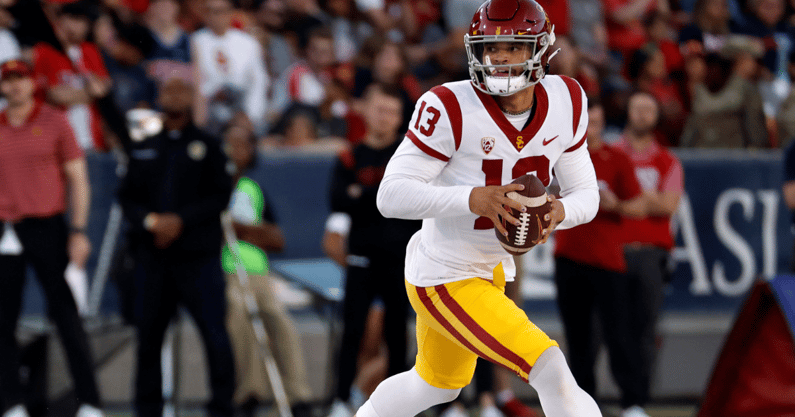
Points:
(231, 69)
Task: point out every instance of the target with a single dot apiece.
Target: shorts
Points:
(461, 320)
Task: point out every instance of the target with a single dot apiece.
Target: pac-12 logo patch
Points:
(487, 144)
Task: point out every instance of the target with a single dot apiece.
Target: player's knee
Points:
(448, 395)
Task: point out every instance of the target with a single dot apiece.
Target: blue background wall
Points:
(731, 228)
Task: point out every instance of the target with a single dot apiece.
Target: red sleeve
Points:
(67, 143)
(93, 60)
(673, 179)
(628, 185)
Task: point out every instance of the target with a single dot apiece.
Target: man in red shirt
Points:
(63, 73)
(40, 164)
(590, 270)
(649, 240)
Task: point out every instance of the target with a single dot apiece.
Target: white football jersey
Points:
(477, 146)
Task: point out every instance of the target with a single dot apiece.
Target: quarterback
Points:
(465, 140)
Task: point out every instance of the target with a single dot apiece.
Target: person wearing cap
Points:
(172, 195)
(66, 68)
(41, 168)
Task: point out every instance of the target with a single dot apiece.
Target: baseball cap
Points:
(15, 67)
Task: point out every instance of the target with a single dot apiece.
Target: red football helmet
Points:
(513, 22)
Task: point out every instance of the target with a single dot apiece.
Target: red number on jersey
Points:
(493, 170)
(435, 114)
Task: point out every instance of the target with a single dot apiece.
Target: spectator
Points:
(172, 195)
(569, 62)
(649, 73)
(649, 241)
(445, 59)
(305, 81)
(372, 360)
(726, 107)
(231, 68)
(27, 25)
(303, 18)
(590, 273)
(711, 28)
(376, 245)
(385, 62)
(346, 26)
(169, 41)
(41, 168)
(258, 233)
(768, 22)
(170, 51)
(624, 19)
(662, 34)
(65, 71)
(131, 86)
(278, 43)
(588, 29)
(400, 20)
(299, 131)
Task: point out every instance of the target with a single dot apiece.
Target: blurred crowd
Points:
(294, 72)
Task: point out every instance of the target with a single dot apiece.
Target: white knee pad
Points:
(405, 395)
(558, 392)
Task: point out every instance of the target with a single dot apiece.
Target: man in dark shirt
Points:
(173, 193)
(376, 245)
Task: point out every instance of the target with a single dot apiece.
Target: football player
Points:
(466, 139)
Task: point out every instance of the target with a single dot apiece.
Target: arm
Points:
(76, 173)
(256, 96)
(267, 236)
(111, 114)
(66, 95)
(406, 192)
(662, 203)
(79, 190)
(335, 237)
(665, 200)
(635, 207)
(789, 194)
(578, 188)
(335, 247)
(628, 199)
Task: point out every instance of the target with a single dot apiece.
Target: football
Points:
(527, 234)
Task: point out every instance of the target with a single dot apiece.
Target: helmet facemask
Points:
(506, 79)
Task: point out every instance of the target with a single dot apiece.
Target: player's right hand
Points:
(488, 201)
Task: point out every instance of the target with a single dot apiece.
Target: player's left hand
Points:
(555, 216)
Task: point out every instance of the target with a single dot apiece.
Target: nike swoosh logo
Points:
(545, 142)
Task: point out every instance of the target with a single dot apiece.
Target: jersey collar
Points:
(519, 139)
